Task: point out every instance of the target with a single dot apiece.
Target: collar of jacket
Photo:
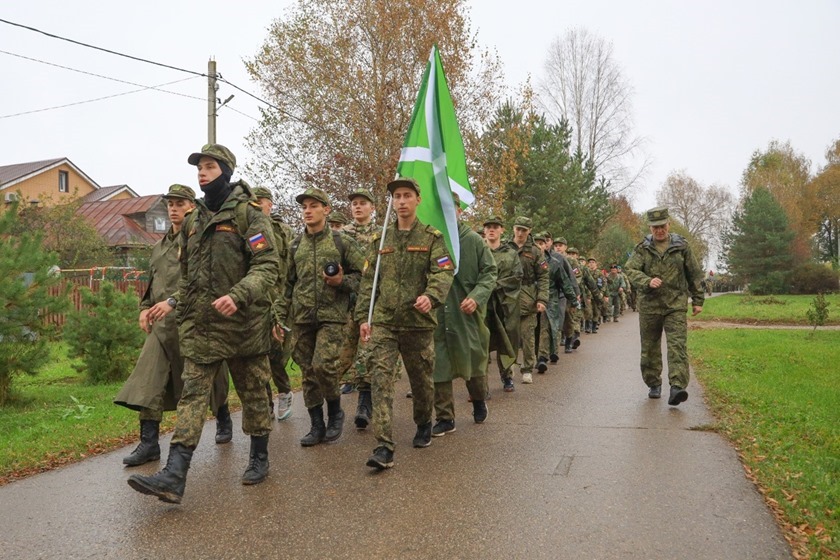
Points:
(677, 241)
(319, 234)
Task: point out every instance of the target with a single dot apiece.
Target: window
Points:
(63, 180)
(160, 224)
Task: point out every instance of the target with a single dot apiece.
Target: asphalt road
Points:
(580, 464)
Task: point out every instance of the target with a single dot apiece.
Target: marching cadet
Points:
(415, 274)
(226, 247)
(337, 221)
(560, 294)
(462, 338)
(533, 297)
(324, 272)
(155, 384)
(503, 307)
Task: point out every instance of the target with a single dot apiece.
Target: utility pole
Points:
(212, 87)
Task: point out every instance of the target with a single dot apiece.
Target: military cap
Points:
(364, 193)
(657, 216)
(615, 266)
(180, 191)
(314, 193)
(547, 235)
(262, 192)
(572, 251)
(561, 240)
(497, 220)
(403, 182)
(523, 222)
(590, 259)
(215, 151)
(540, 236)
(337, 218)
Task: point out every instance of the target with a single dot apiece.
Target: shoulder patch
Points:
(434, 231)
(255, 204)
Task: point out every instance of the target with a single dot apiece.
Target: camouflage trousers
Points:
(278, 357)
(249, 378)
(623, 302)
(571, 322)
(445, 399)
(651, 327)
(615, 306)
(354, 358)
(587, 309)
(417, 348)
(218, 397)
(317, 350)
(528, 341)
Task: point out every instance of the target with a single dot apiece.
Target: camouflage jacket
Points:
(283, 240)
(534, 278)
(614, 282)
(677, 267)
(217, 260)
(413, 262)
(363, 234)
(308, 298)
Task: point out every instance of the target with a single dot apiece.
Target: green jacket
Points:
(414, 262)
(363, 234)
(308, 298)
(461, 340)
(534, 278)
(216, 260)
(614, 282)
(503, 306)
(679, 270)
(282, 239)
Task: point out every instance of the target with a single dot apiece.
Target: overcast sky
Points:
(713, 80)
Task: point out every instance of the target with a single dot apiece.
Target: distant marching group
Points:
(353, 305)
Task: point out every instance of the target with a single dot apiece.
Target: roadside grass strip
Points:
(789, 310)
(776, 396)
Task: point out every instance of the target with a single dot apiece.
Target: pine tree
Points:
(758, 248)
(26, 274)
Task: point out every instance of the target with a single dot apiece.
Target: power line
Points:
(240, 112)
(147, 61)
(92, 100)
(101, 76)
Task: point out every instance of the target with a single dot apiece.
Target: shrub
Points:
(775, 282)
(813, 278)
(104, 334)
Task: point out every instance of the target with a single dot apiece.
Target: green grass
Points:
(789, 310)
(776, 395)
(43, 427)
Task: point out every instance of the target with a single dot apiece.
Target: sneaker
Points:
(542, 365)
(423, 437)
(508, 385)
(382, 458)
(655, 392)
(347, 388)
(480, 411)
(284, 406)
(678, 395)
(554, 358)
(443, 427)
(526, 378)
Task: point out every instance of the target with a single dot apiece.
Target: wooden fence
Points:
(71, 287)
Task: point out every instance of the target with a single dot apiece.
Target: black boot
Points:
(576, 340)
(479, 411)
(318, 430)
(168, 484)
(568, 346)
(257, 461)
(224, 425)
(363, 410)
(335, 420)
(148, 449)
(587, 326)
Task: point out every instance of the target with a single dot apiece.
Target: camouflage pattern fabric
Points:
(249, 378)
(317, 350)
(416, 347)
(675, 326)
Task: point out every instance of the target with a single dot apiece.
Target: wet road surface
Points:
(580, 464)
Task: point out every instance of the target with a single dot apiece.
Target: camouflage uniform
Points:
(413, 262)
(560, 293)
(316, 311)
(664, 308)
(534, 290)
(615, 282)
(217, 259)
(353, 352)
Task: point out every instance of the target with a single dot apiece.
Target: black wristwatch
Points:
(171, 302)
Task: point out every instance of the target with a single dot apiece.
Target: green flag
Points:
(433, 154)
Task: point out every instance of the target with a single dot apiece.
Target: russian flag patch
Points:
(444, 262)
(257, 242)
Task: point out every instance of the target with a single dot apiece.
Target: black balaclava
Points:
(217, 190)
